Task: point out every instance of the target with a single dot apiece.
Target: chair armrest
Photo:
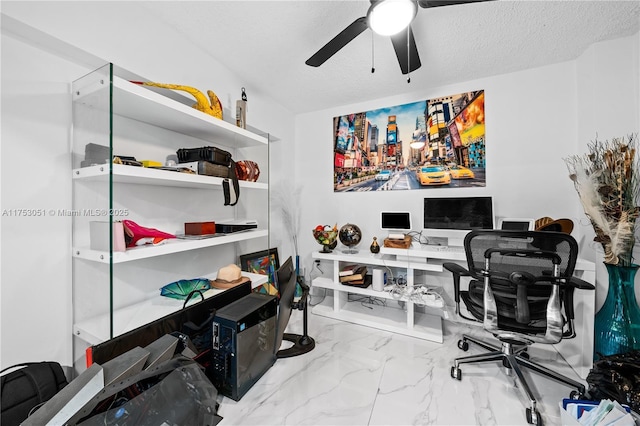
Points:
(457, 271)
(572, 284)
(578, 283)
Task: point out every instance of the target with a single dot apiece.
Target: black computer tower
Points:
(244, 338)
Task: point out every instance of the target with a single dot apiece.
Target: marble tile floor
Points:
(358, 375)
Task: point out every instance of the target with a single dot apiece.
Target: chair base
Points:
(513, 355)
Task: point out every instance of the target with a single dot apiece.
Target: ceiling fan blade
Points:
(400, 46)
(437, 3)
(338, 42)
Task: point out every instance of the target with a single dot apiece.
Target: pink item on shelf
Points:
(136, 235)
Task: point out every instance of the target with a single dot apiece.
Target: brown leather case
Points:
(401, 244)
(199, 228)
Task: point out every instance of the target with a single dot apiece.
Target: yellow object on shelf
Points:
(151, 163)
(211, 106)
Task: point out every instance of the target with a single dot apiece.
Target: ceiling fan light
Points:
(389, 17)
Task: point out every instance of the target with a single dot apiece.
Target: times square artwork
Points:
(430, 144)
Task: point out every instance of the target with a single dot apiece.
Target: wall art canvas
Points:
(264, 262)
(436, 143)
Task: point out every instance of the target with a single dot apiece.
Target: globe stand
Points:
(350, 235)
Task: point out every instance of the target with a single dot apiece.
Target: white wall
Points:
(608, 80)
(531, 124)
(36, 263)
(36, 118)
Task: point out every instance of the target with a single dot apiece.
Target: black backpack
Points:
(26, 389)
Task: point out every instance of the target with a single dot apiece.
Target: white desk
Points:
(578, 351)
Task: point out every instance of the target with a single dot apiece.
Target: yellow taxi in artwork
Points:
(434, 175)
(460, 172)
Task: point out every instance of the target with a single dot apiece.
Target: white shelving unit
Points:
(391, 316)
(93, 330)
(147, 176)
(116, 292)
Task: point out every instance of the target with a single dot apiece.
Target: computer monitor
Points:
(516, 224)
(395, 222)
(451, 218)
(286, 281)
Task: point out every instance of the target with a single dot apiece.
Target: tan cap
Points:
(557, 225)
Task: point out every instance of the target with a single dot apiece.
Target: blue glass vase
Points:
(617, 323)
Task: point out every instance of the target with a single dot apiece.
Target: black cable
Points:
(408, 56)
(321, 300)
(366, 299)
(373, 69)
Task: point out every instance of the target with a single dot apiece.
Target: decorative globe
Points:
(350, 235)
(327, 237)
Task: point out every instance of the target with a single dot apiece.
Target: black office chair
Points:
(521, 289)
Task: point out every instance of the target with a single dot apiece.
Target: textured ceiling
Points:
(267, 42)
(456, 43)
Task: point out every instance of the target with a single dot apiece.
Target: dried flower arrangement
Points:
(287, 200)
(607, 180)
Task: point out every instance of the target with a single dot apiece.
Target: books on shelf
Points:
(349, 269)
(357, 274)
(363, 283)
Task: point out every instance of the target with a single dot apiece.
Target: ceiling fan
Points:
(389, 18)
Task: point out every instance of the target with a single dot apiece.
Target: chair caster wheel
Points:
(534, 417)
(576, 395)
(463, 344)
(505, 363)
(456, 373)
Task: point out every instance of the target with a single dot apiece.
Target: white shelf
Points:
(171, 246)
(426, 252)
(332, 285)
(147, 176)
(96, 330)
(380, 259)
(139, 103)
(428, 327)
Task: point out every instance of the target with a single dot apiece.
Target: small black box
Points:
(206, 153)
(235, 226)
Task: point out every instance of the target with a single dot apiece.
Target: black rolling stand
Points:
(301, 343)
